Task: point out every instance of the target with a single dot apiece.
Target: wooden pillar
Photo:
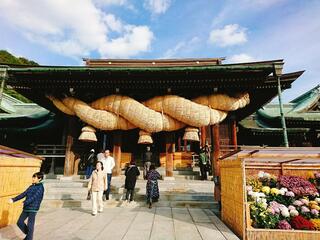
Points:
(185, 145)
(69, 156)
(234, 133)
(203, 136)
(216, 165)
(179, 144)
(117, 152)
(169, 154)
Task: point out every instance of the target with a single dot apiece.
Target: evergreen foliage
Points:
(8, 58)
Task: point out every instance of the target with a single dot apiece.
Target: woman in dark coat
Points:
(152, 185)
(131, 173)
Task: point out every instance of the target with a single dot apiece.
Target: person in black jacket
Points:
(91, 161)
(131, 173)
(31, 205)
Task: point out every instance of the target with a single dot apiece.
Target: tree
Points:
(7, 58)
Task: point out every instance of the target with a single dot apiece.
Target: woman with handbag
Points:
(97, 184)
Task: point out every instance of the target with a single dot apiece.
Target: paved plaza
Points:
(126, 222)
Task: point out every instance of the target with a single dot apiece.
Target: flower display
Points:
(265, 189)
(299, 222)
(315, 212)
(316, 224)
(285, 203)
(290, 194)
(298, 185)
(283, 224)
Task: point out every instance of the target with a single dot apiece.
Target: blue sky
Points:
(62, 32)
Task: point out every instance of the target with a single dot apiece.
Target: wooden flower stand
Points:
(249, 161)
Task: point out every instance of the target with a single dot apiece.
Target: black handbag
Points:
(89, 195)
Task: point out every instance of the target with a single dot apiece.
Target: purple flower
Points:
(317, 175)
(298, 185)
(314, 212)
(290, 194)
(283, 224)
(304, 209)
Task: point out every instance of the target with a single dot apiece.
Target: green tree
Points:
(9, 59)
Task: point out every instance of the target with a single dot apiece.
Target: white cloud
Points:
(157, 6)
(229, 35)
(135, 40)
(74, 29)
(181, 47)
(111, 2)
(240, 58)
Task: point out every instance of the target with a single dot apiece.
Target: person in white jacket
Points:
(108, 164)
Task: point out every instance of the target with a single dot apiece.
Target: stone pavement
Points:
(125, 222)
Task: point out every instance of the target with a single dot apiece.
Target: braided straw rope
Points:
(162, 113)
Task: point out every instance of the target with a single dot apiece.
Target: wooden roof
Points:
(152, 62)
(141, 79)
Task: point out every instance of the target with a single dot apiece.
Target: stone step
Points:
(85, 204)
(139, 196)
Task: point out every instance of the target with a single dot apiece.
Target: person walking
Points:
(91, 162)
(131, 173)
(31, 205)
(147, 160)
(97, 184)
(203, 164)
(108, 163)
(152, 188)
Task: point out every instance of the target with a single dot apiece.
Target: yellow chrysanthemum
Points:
(316, 224)
(265, 189)
(274, 191)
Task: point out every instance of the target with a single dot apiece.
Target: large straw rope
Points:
(138, 114)
(223, 101)
(162, 113)
(100, 119)
(186, 111)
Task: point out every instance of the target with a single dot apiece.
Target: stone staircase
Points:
(72, 192)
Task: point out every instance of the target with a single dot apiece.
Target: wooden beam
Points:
(185, 145)
(203, 136)
(234, 133)
(216, 163)
(69, 156)
(169, 154)
(117, 142)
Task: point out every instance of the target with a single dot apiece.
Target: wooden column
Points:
(203, 136)
(216, 165)
(69, 156)
(117, 152)
(234, 133)
(185, 145)
(179, 144)
(169, 154)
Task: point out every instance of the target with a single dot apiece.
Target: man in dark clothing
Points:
(147, 159)
(132, 172)
(203, 164)
(34, 196)
(91, 161)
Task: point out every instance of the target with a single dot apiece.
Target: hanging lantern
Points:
(145, 138)
(88, 134)
(191, 134)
